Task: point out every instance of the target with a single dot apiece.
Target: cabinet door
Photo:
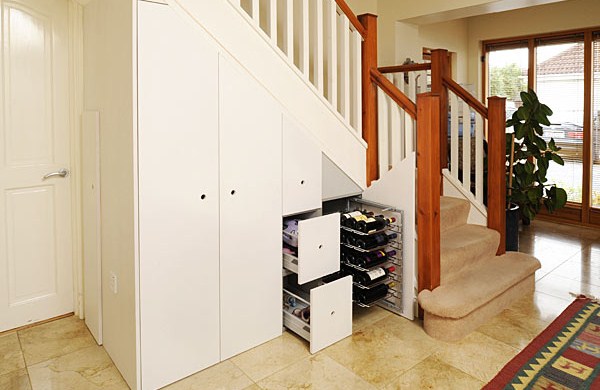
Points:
(178, 197)
(301, 170)
(250, 164)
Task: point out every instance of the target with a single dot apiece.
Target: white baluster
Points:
(256, 11)
(422, 82)
(273, 21)
(384, 134)
(344, 67)
(331, 35)
(302, 36)
(357, 81)
(479, 158)
(412, 85)
(466, 134)
(288, 36)
(317, 44)
(409, 134)
(454, 109)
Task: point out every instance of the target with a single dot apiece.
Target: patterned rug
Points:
(566, 355)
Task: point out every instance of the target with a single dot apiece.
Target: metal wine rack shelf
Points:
(393, 300)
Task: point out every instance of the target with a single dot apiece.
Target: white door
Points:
(35, 214)
(250, 165)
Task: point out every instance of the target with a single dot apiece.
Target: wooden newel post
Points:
(369, 95)
(440, 69)
(428, 190)
(496, 180)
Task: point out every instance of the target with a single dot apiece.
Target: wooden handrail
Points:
(390, 89)
(352, 18)
(405, 68)
(369, 95)
(497, 169)
(466, 96)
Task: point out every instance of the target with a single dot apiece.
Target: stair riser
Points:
(454, 261)
(454, 216)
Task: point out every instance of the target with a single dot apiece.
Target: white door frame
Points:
(76, 110)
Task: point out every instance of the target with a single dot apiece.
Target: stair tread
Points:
(463, 246)
(478, 285)
(453, 212)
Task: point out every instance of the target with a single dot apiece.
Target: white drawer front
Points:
(330, 313)
(318, 247)
(302, 170)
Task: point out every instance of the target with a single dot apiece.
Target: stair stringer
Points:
(252, 49)
(396, 188)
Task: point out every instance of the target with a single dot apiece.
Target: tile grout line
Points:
(24, 361)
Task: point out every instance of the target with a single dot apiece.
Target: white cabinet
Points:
(302, 170)
(250, 165)
(318, 248)
(330, 307)
(178, 198)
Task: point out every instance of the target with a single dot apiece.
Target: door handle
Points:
(63, 172)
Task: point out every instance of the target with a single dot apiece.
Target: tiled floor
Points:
(385, 351)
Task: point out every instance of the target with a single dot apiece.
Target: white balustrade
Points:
(317, 39)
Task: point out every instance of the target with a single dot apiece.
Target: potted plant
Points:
(529, 157)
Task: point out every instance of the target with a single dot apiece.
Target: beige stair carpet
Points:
(475, 283)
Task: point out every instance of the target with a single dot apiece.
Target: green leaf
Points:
(523, 113)
(546, 110)
(529, 167)
(540, 143)
(552, 145)
(557, 159)
(526, 98)
(561, 198)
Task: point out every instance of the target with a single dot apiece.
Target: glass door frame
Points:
(579, 213)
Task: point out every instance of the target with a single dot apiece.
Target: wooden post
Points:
(440, 69)
(369, 95)
(496, 180)
(428, 190)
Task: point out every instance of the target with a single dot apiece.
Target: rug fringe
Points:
(583, 296)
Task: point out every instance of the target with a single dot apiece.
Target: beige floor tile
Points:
(477, 355)
(223, 376)
(315, 372)
(15, 380)
(253, 386)
(382, 351)
(362, 316)
(562, 287)
(11, 357)
(270, 357)
(434, 374)
(541, 306)
(89, 368)
(54, 339)
(577, 268)
(513, 328)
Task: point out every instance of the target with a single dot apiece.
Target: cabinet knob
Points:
(301, 182)
(203, 196)
(320, 246)
(232, 192)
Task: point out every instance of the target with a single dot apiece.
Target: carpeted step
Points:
(453, 212)
(465, 246)
(480, 292)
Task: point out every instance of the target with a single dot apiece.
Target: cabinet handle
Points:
(203, 196)
(321, 246)
(301, 182)
(232, 192)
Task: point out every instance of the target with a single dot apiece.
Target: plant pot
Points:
(512, 227)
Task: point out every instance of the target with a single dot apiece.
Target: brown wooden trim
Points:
(594, 218)
(36, 323)
(531, 70)
(440, 70)
(491, 42)
(467, 97)
(369, 96)
(586, 193)
(352, 18)
(496, 194)
(428, 191)
(393, 92)
(405, 68)
(571, 212)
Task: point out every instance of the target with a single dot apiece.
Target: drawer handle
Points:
(333, 312)
(301, 182)
(203, 196)
(321, 246)
(232, 192)
(306, 329)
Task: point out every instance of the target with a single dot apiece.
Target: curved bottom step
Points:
(454, 329)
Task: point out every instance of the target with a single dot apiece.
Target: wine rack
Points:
(393, 300)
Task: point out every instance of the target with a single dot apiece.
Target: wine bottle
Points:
(336, 275)
(372, 295)
(346, 216)
(373, 224)
(370, 242)
(303, 314)
(373, 259)
(351, 222)
(371, 277)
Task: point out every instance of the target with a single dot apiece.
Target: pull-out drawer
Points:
(318, 251)
(330, 308)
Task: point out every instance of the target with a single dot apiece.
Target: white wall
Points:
(108, 81)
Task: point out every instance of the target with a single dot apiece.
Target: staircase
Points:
(475, 284)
